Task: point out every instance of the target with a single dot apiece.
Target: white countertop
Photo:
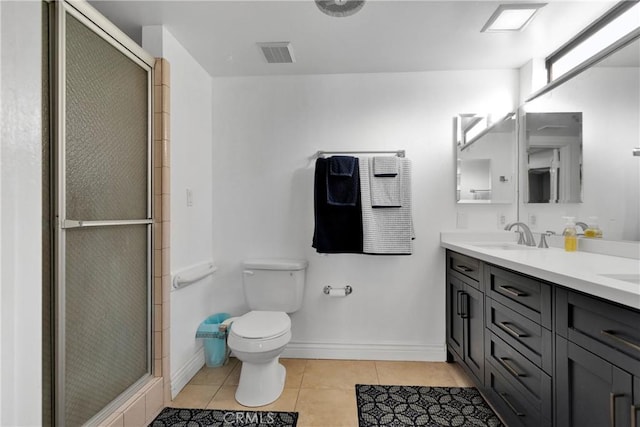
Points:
(582, 271)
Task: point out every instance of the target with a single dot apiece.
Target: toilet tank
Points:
(274, 284)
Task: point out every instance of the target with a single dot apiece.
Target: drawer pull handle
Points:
(634, 415)
(464, 268)
(504, 395)
(506, 362)
(513, 291)
(510, 329)
(612, 407)
(621, 340)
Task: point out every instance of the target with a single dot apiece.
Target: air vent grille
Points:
(277, 52)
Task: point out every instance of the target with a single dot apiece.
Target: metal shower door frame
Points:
(88, 16)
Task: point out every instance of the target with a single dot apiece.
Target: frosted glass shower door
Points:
(104, 220)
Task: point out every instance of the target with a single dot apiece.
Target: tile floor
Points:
(321, 391)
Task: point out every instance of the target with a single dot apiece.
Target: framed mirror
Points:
(553, 144)
(605, 101)
(485, 154)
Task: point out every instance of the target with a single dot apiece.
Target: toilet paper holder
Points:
(347, 290)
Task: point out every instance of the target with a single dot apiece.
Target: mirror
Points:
(485, 158)
(553, 143)
(605, 101)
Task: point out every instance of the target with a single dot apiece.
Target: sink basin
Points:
(631, 278)
(503, 246)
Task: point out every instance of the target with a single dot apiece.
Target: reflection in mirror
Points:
(485, 158)
(554, 157)
(608, 97)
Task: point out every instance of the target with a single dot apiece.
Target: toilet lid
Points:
(261, 324)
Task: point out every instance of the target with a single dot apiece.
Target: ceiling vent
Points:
(277, 52)
(339, 8)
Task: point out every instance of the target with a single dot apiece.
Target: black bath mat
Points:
(400, 406)
(179, 417)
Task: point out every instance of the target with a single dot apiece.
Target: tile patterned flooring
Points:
(321, 391)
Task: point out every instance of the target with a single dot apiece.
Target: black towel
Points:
(343, 185)
(338, 228)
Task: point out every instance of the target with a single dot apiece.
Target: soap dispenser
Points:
(593, 230)
(569, 233)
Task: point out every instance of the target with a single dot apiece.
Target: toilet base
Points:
(260, 383)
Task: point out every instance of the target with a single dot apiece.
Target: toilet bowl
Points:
(257, 339)
(272, 288)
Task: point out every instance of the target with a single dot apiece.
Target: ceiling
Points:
(385, 36)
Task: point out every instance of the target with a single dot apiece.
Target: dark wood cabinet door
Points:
(635, 409)
(590, 391)
(455, 322)
(473, 314)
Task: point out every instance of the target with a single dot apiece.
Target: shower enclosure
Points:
(101, 158)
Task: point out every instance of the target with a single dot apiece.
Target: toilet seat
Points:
(261, 325)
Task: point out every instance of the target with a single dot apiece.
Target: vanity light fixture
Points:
(511, 17)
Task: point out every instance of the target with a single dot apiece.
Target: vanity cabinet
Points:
(519, 347)
(550, 356)
(598, 362)
(465, 312)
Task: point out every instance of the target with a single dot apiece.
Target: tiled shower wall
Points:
(143, 407)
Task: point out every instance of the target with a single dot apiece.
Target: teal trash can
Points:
(214, 340)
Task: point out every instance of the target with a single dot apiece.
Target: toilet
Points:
(272, 288)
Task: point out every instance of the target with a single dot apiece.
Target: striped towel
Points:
(387, 231)
(385, 189)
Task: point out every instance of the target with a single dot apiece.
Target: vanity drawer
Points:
(521, 333)
(514, 405)
(464, 265)
(605, 328)
(520, 370)
(520, 293)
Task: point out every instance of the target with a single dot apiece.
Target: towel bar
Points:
(399, 153)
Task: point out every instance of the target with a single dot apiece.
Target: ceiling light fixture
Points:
(511, 17)
(339, 8)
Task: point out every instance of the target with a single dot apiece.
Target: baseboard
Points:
(411, 352)
(186, 372)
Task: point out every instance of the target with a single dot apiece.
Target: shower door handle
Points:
(74, 223)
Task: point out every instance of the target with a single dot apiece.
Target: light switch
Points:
(189, 198)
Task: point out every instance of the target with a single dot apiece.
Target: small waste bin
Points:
(214, 340)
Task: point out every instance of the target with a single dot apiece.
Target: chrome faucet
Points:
(528, 236)
(582, 225)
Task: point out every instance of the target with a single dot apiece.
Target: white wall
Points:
(191, 226)
(266, 129)
(20, 214)
(609, 99)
